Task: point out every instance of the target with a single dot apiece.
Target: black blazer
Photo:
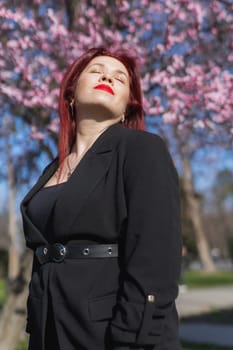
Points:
(125, 189)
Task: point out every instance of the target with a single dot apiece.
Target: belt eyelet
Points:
(86, 251)
(109, 250)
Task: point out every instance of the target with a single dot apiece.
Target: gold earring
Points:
(71, 104)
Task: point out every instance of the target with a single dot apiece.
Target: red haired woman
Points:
(103, 220)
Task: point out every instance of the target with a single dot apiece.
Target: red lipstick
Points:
(105, 87)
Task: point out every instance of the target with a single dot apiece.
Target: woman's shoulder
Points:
(146, 150)
(143, 147)
(143, 139)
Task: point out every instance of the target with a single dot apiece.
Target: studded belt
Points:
(57, 252)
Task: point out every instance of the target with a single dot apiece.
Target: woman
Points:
(103, 220)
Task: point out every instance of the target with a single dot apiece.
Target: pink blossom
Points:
(192, 33)
(35, 134)
(199, 124)
(12, 44)
(161, 48)
(230, 57)
(170, 118)
(214, 30)
(53, 125)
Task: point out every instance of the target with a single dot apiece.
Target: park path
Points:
(197, 301)
(204, 333)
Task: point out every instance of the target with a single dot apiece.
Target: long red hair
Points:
(134, 115)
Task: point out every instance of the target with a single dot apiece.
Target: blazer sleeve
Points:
(151, 246)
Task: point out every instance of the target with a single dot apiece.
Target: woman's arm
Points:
(151, 250)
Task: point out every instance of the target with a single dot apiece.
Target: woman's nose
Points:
(105, 77)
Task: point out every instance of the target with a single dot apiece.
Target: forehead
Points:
(110, 62)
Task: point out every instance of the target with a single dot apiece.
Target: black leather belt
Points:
(57, 252)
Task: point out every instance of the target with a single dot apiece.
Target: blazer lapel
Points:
(31, 232)
(44, 177)
(90, 170)
(78, 188)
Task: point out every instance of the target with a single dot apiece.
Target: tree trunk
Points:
(196, 219)
(72, 12)
(13, 252)
(13, 319)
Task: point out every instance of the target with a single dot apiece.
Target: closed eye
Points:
(94, 71)
(122, 81)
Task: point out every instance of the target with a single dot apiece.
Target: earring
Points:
(123, 119)
(71, 104)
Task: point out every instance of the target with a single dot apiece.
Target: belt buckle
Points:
(58, 252)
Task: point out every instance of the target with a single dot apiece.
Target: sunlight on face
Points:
(113, 74)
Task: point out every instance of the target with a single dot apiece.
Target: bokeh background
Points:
(185, 53)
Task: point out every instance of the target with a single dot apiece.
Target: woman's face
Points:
(103, 88)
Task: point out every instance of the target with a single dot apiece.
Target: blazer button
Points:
(151, 298)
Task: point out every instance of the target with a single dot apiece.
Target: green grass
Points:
(2, 292)
(23, 345)
(191, 346)
(200, 279)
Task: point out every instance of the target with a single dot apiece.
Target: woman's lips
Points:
(104, 87)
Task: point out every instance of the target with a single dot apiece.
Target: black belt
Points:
(57, 252)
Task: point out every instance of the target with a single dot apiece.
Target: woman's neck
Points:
(87, 133)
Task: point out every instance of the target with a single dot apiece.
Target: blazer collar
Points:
(77, 189)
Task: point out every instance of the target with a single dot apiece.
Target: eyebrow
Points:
(117, 70)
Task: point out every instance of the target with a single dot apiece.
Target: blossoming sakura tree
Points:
(184, 47)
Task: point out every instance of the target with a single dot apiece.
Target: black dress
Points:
(40, 210)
